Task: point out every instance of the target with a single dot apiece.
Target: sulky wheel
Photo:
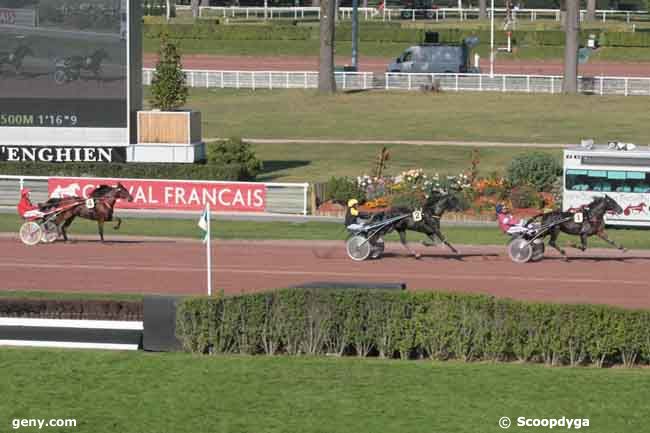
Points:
(519, 250)
(538, 250)
(50, 232)
(30, 233)
(358, 248)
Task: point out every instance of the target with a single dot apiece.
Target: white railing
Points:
(285, 198)
(268, 79)
(627, 86)
(389, 14)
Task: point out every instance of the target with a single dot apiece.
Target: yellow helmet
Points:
(352, 202)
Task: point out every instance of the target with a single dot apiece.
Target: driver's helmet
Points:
(353, 202)
(500, 209)
(25, 192)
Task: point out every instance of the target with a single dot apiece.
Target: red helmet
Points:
(24, 192)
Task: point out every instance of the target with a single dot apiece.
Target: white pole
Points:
(492, 39)
(209, 254)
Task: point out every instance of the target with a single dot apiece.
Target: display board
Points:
(64, 73)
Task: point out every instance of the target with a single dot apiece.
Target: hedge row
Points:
(129, 170)
(375, 33)
(413, 325)
(81, 309)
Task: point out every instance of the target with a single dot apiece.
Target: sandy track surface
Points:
(141, 265)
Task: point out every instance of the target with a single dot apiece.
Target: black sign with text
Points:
(10, 153)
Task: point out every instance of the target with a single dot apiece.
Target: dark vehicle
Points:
(423, 9)
(434, 59)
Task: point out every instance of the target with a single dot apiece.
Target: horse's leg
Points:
(100, 228)
(402, 239)
(64, 227)
(444, 240)
(583, 241)
(119, 223)
(601, 234)
(552, 242)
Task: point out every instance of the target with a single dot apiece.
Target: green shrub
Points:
(413, 325)
(534, 168)
(168, 88)
(525, 196)
(129, 170)
(341, 189)
(234, 151)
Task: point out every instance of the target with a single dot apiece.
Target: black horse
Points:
(99, 207)
(425, 220)
(591, 222)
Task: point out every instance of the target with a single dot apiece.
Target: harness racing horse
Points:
(593, 223)
(16, 57)
(428, 222)
(99, 207)
(70, 68)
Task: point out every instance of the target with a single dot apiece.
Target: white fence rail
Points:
(285, 198)
(389, 14)
(268, 79)
(627, 86)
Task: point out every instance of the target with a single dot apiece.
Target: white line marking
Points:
(67, 323)
(420, 276)
(68, 344)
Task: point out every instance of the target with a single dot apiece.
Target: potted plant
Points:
(168, 125)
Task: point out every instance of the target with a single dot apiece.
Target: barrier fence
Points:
(625, 86)
(169, 195)
(389, 14)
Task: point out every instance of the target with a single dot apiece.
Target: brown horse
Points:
(99, 207)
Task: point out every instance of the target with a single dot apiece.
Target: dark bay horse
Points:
(593, 223)
(99, 207)
(428, 222)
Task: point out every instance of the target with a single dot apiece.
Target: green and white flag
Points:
(204, 223)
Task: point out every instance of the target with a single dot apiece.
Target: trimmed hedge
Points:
(129, 170)
(383, 33)
(413, 325)
(68, 309)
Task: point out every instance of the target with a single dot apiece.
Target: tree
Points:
(571, 30)
(591, 10)
(482, 9)
(168, 87)
(195, 8)
(326, 82)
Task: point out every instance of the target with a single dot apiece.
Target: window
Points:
(607, 181)
(407, 56)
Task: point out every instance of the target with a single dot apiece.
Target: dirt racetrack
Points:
(178, 266)
(378, 64)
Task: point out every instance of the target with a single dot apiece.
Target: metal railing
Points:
(285, 198)
(389, 14)
(626, 86)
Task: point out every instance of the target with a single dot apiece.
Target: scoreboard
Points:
(66, 78)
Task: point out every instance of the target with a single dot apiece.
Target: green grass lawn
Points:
(181, 393)
(417, 116)
(221, 229)
(319, 162)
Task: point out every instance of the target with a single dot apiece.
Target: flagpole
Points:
(209, 254)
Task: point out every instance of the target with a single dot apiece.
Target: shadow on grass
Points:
(273, 166)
